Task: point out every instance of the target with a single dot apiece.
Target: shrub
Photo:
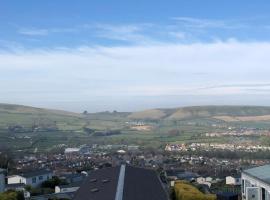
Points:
(185, 191)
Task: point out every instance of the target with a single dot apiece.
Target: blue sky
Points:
(132, 55)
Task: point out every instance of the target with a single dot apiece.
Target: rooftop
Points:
(35, 173)
(123, 183)
(262, 173)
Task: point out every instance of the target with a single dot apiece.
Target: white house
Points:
(2, 180)
(73, 187)
(72, 150)
(256, 183)
(34, 178)
(205, 181)
(230, 180)
(200, 180)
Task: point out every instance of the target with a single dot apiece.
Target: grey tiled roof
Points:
(262, 173)
(139, 184)
(35, 173)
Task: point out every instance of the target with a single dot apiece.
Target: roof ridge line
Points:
(120, 184)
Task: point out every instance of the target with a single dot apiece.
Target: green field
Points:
(33, 129)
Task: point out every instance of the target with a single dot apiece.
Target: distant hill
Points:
(28, 116)
(20, 109)
(148, 114)
(226, 113)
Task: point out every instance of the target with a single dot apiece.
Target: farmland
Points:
(30, 129)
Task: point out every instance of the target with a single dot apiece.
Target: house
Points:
(71, 178)
(256, 183)
(72, 187)
(180, 174)
(2, 180)
(205, 181)
(122, 183)
(33, 178)
(200, 180)
(230, 180)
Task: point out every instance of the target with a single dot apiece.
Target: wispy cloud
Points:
(33, 32)
(45, 32)
(209, 23)
(134, 33)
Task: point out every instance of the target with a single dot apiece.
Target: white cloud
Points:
(210, 23)
(133, 33)
(45, 32)
(219, 68)
(34, 32)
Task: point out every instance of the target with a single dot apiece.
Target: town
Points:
(60, 175)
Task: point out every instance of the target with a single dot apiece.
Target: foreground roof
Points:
(262, 173)
(122, 183)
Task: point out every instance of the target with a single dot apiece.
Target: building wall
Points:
(64, 190)
(38, 180)
(16, 179)
(33, 181)
(2, 182)
(252, 188)
(233, 181)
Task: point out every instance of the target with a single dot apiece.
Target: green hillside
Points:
(201, 112)
(31, 129)
(11, 115)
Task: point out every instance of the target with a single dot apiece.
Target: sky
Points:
(125, 55)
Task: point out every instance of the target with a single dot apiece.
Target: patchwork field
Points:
(31, 129)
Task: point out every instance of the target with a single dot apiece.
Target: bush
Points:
(53, 182)
(185, 191)
(11, 195)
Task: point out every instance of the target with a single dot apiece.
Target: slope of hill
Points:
(21, 109)
(148, 114)
(28, 116)
(251, 113)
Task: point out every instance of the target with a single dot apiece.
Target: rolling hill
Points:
(27, 116)
(48, 128)
(225, 113)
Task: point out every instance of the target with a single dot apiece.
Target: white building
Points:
(2, 180)
(34, 179)
(230, 180)
(73, 187)
(205, 181)
(72, 150)
(256, 183)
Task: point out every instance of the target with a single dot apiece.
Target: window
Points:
(243, 186)
(40, 178)
(34, 180)
(263, 194)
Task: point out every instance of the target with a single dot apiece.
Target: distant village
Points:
(63, 175)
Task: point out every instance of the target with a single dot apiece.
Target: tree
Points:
(11, 195)
(53, 182)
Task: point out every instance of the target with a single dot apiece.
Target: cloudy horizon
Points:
(86, 63)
